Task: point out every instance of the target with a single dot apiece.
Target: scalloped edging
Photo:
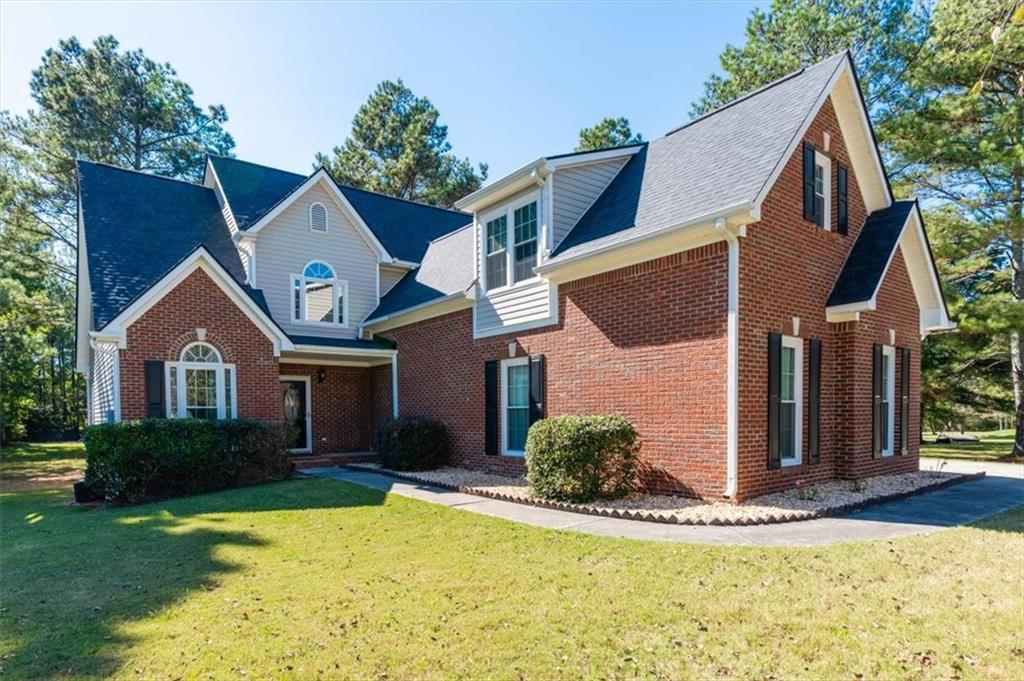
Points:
(671, 518)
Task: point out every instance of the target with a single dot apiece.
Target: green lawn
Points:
(40, 466)
(314, 578)
(995, 445)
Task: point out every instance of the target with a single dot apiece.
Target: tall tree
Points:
(398, 147)
(609, 132)
(962, 143)
(106, 105)
(884, 36)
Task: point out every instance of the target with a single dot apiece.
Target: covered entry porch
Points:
(336, 392)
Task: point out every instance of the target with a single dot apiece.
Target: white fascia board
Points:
(117, 328)
(740, 213)
(210, 170)
(322, 175)
(432, 308)
(345, 352)
(844, 67)
(522, 178)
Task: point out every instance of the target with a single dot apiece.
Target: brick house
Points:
(745, 289)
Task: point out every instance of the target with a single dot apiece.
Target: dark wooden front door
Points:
(293, 397)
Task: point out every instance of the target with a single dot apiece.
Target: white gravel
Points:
(817, 498)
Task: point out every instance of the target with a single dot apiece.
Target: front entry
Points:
(295, 399)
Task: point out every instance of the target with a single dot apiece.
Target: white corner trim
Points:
(321, 175)
(223, 194)
(394, 386)
(200, 259)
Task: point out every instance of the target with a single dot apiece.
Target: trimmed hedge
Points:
(582, 458)
(138, 461)
(412, 444)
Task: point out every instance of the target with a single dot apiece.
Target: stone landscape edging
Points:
(672, 519)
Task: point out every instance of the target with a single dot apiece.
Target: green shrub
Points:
(582, 458)
(412, 444)
(138, 461)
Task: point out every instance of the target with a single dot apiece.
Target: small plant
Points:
(580, 458)
(412, 444)
(936, 470)
(806, 491)
(859, 486)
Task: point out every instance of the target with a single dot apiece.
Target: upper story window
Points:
(317, 217)
(318, 297)
(817, 183)
(201, 385)
(505, 264)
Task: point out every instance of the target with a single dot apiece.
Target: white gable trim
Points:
(845, 67)
(321, 175)
(913, 243)
(219, 189)
(200, 259)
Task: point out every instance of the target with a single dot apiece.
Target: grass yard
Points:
(994, 445)
(318, 578)
(40, 466)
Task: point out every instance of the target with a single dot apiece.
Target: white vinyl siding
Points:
(389, 276)
(287, 245)
(103, 384)
(576, 189)
(531, 302)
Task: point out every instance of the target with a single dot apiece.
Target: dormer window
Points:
(504, 265)
(317, 217)
(318, 297)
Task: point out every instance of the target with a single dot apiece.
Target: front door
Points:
(296, 410)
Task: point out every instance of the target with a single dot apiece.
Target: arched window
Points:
(317, 217)
(201, 385)
(318, 297)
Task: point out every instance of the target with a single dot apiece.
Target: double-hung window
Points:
(317, 297)
(791, 401)
(511, 254)
(888, 371)
(515, 403)
(822, 190)
(200, 385)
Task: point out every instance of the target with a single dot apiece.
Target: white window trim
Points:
(503, 387)
(889, 352)
(180, 367)
(309, 412)
(508, 210)
(327, 219)
(797, 344)
(335, 284)
(826, 167)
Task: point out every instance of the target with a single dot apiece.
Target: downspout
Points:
(394, 385)
(732, 358)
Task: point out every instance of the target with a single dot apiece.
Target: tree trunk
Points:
(1018, 386)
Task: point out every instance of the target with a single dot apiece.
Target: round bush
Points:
(582, 458)
(412, 444)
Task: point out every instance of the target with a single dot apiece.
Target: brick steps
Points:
(325, 460)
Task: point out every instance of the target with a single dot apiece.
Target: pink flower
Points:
(800, 482)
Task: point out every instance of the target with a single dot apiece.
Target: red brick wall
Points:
(167, 327)
(787, 269)
(646, 341)
(340, 406)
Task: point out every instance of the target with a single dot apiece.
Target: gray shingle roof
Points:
(447, 268)
(719, 160)
(138, 227)
(403, 227)
(869, 257)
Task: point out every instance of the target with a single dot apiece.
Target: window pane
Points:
(518, 426)
(228, 397)
(341, 304)
(787, 430)
(518, 406)
(318, 270)
(319, 301)
(297, 295)
(788, 376)
(496, 270)
(497, 235)
(201, 393)
(525, 220)
(200, 352)
(519, 386)
(526, 260)
(819, 180)
(172, 382)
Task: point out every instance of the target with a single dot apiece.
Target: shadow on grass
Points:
(72, 580)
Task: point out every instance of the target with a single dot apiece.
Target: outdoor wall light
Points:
(321, 374)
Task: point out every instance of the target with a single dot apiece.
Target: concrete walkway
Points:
(921, 514)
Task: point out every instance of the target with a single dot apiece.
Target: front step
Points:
(328, 460)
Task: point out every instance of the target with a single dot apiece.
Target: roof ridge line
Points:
(154, 176)
(742, 98)
(388, 196)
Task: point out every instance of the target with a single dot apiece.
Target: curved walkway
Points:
(1002, 489)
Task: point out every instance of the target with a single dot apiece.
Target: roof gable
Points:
(133, 239)
(250, 189)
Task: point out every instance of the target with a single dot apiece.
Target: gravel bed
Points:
(819, 499)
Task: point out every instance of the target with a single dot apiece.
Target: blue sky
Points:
(512, 81)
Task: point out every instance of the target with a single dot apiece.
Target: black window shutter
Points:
(905, 401)
(808, 181)
(491, 408)
(814, 402)
(154, 374)
(842, 215)
(536, 388)
(876, 401)
(774, 385)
